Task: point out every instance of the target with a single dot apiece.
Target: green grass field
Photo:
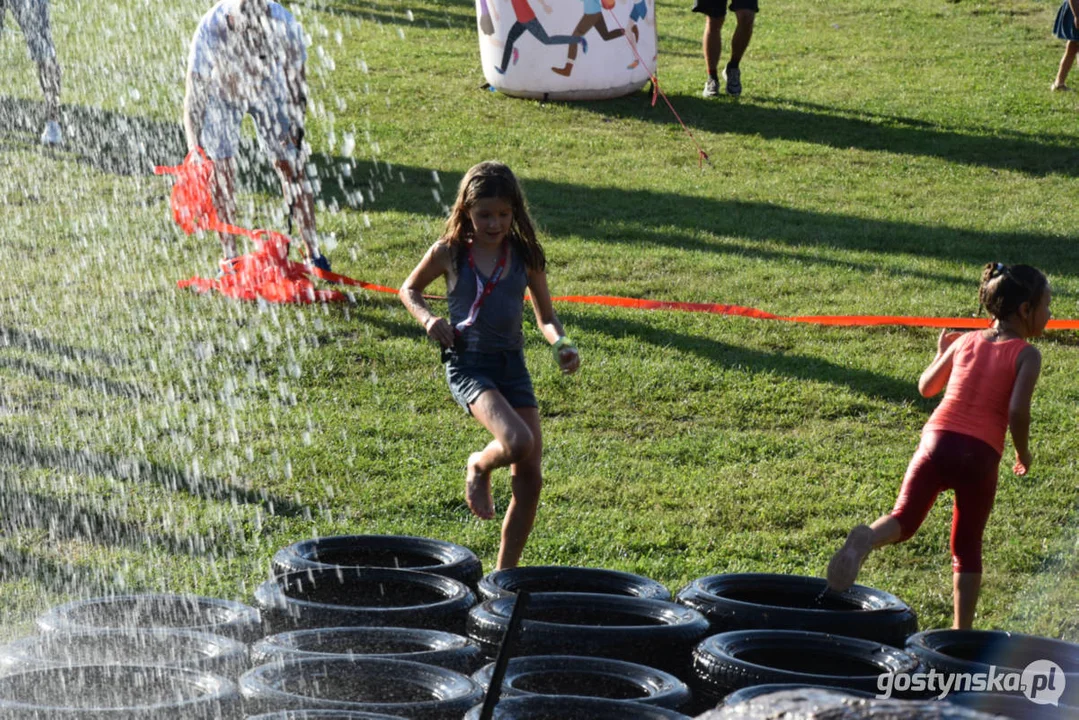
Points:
(155, 440)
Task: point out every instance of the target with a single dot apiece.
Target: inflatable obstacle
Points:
(567, 49)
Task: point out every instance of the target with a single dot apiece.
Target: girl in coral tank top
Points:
(988, 377)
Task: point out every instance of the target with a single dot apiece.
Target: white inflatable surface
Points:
(567, 49)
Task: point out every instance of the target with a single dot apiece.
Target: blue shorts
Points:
(471, 373)
(639, 11)
(220, 136)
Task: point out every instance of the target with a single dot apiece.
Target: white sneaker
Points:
(733, 76)
(52, 135)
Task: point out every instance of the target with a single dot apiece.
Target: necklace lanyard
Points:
(482, 289)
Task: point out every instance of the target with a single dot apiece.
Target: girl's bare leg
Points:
(967, 587)
(527, 481)
(513, 441)
(1071, 48)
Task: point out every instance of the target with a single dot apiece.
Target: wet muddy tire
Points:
(354, 596)
(189, 612)
(167, 647)
(389, 687)
(567, 675)
(400, 552)
(431, 647)
(748, 601)
(323, 715)
(540, 707)
(974, 651)
(755, 691)
(555, 578)
(118, 692)
(734, 660)
(621, 628)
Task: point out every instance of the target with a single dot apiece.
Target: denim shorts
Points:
(471, 373)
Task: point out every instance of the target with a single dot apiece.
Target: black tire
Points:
(118, 692)
(568, 675)
(431, 647)
(401, 552)
(974, 651)
(1012, 706)
(622, 628)
(220, 617)
(749, 601)
(542, 707)
(166, 647)
(556, 578)
(755, 691)
(353, 596)
(730, 661)
(390, 687)
(323, 715)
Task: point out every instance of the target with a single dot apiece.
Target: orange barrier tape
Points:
(969, 323)
(268, 273)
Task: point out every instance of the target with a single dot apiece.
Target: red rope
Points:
(702, 156)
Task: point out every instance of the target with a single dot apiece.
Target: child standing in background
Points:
(489, 255)
(1066, 28)
(990, 377)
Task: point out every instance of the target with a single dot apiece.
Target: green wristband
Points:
(562, 342)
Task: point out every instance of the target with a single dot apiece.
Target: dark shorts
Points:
(639, 11)
(471, 373)
(718, 8)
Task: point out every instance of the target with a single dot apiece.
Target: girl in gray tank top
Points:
(489, 256)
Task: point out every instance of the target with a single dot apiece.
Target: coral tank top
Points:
(979, 390)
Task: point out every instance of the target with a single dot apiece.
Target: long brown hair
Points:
(491, 179)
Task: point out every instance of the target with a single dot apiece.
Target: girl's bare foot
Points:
(844, 565)
(478, 489)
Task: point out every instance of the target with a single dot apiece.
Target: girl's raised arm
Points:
(549, 325)
(935, 377)
(435, 263)
(1028, 368)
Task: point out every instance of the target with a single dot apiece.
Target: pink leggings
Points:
(951, 461)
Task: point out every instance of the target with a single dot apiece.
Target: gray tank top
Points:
(498, 326)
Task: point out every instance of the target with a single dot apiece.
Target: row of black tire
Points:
(331, 582)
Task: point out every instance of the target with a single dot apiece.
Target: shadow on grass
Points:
(23, 509)
(31, 456)
(35, 342)
(60, 579)
(780, 119)
(639, 217)
(790, 365)
(83, 381)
